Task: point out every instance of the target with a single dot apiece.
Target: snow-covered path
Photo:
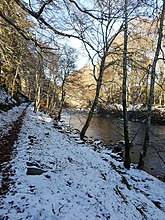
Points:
(79, 183)
(8, 118)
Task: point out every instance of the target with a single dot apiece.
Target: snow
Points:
(5, 98)
(79, 183)
(7, 118)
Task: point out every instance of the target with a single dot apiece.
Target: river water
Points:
(110, 131)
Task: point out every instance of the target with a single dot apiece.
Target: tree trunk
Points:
(38, 93)
(48, 98)
(61, 101)
(127, 159)
(161, 98)
(151, 94)
(161, 82)
(14, 80)
(146, 87)
(95, 102)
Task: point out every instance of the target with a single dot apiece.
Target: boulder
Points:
(34, 171)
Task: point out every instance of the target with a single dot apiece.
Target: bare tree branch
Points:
(84, 10)
(37, 15)
(43, 7)
(22, 32)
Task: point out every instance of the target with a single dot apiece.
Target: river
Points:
(110, 131)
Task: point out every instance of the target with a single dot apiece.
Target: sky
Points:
(82, 56)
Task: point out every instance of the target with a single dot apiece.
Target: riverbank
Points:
(138, 114)
(109, 130)
(56, 176)
(157, 115)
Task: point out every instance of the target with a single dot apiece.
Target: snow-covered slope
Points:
(8, 118)
(7, 102)
(10, 110)
(6, 99)
(76, 181)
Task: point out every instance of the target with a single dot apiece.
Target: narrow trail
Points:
(77, 182)
(7, 152)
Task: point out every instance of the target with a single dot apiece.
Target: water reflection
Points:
(110, 131)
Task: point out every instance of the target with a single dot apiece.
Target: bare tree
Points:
(95, 27)
(127, 160)
(66, 65)
(151, 94)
